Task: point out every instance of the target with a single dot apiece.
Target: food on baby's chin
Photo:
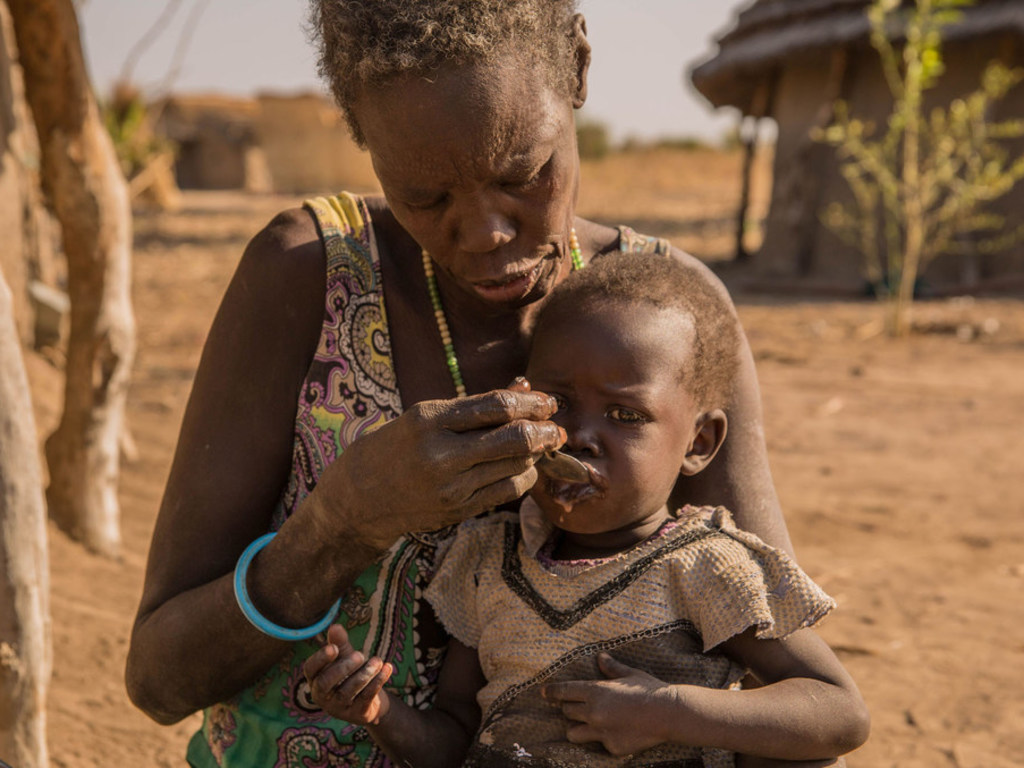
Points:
(567, 495)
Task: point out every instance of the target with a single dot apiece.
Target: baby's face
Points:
(616, 374)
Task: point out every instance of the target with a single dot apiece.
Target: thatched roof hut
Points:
(790, 60)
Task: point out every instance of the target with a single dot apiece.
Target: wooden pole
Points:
(25, 644)
(87, 190)
(758, 109)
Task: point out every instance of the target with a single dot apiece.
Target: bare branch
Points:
(148, 38)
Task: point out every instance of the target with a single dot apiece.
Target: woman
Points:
(364, 319)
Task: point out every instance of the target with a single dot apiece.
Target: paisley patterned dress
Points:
(349, 390)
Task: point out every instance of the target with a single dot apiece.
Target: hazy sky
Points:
(642, 49)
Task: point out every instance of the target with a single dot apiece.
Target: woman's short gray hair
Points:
(367, 42)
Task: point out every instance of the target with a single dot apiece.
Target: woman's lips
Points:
(515, 287)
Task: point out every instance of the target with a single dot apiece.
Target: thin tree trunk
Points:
(913, 213)
(89, 195)
(25, 651)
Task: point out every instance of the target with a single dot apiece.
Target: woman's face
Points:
(479, 164)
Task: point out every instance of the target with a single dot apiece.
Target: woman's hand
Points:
(345, 684)
(621, 712)
(440, 462)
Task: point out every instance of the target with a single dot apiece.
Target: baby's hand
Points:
(620, 712)
(345, 684)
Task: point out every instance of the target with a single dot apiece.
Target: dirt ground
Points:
(898, 464)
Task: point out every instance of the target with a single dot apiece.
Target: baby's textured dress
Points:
(662, 606)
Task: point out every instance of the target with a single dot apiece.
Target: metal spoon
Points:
(562, 466)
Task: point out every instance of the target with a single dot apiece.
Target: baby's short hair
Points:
(665, 283)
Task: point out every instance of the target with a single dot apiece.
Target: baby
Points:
(601, 626)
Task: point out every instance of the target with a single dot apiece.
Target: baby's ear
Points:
(709, 434)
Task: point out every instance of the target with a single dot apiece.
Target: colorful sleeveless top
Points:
(350, 389)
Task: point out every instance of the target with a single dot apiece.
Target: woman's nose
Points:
(482, 231)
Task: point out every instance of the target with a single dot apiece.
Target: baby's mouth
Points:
(564, 466)
(567, 494)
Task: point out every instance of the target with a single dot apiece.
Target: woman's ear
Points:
(708, 438)
(579, 35)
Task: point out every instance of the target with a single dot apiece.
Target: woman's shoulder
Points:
(289, 240)
(289, 228)
(601, 240)
(701, 272)
(379, 209)
(386, 228)
(284, 263)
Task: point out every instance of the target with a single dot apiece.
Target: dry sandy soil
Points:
(898, 464)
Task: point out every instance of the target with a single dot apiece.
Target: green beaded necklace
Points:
(442, 322)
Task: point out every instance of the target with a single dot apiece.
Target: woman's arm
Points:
(808, 709)
(739, 478)
(350, 687)
(191, 646)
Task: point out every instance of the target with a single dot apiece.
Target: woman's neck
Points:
(491, 346)
(491, 341)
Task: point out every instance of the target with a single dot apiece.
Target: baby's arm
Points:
(808, 709)
(349, 687)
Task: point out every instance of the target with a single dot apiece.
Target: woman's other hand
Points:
(346, 684)
(440, 462)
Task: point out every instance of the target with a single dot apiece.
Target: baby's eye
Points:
(626, 415)
(561, 402)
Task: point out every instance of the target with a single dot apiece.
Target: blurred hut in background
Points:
(272, 143)
(790, 60)
(216, 146)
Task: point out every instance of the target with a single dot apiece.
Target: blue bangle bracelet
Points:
(256, 618)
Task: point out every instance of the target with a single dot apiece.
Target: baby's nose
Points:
(583, 441)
